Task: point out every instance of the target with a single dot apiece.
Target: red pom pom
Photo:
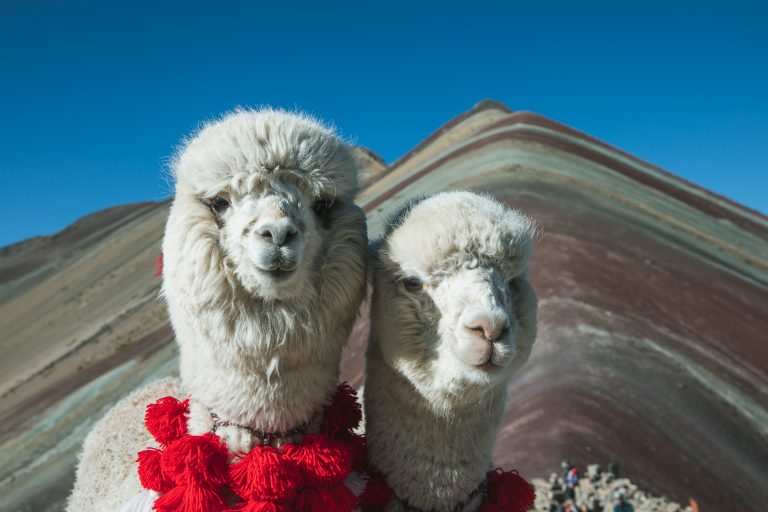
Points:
(190, 499)
(150, 474)
(343, 413)
(265, 474)
(377, 493)
(159, 265)
(509, 491)
(201, 461)
(166, 419)
(357, 448)
(261, 506)
(321, 459)
(336, 498)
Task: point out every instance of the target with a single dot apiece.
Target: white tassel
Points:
(356, 483)
(142, 502)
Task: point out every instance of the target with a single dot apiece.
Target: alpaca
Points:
(265, 263)
(453, 317)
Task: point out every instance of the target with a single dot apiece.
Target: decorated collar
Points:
(503, 491)
(276, 439)
(198, 472)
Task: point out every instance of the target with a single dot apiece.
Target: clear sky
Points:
(95, 95)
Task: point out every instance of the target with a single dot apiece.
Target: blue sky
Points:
(94, 96)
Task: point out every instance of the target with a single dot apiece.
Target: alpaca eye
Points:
(320, 208)
(219, 205)
(413, 284)
(323, 207)
(512, 285)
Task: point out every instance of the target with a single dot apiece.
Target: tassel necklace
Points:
(503, 491)
(197, 473)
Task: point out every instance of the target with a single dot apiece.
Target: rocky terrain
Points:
(653, 312)
(599, 491)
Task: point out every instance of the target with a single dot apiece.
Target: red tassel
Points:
(159, 265)
(261, 506)
(190, 499)
(377, 493)
(343, 413)
(335, 498)
(166, 419)
(357, 448)
(322, 460)
(198, 461)
(265, 474)
(150, 474)
(509, 491)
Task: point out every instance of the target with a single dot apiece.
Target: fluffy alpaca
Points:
(264, 269)
(452, 318)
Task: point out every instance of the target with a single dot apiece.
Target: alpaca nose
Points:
(488, 326)
(277, 232)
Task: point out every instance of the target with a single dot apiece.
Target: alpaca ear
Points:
(396, 220)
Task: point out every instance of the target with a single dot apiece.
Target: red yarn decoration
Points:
(159, 265)
(508, 491)
(322, 460)
(193, 473)
(261, 506)
(335, 498)
(377, 494)
(265, 474)
(166, 419)
(150, 474)
(344, 413)
(196, 461)
(357, 448)
(192, 498)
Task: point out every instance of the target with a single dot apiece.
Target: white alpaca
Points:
(453, 317)
(264, 269)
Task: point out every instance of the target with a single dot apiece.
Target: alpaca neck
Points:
(249, 377)
(432, 459)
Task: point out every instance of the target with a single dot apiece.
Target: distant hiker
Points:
(570, 477)
(613, 469)
(622, 505)
(565, 465)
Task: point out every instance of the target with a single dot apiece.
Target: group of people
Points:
(573, 498)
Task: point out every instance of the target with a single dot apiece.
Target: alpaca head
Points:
(260, 192)
(264, 267)
(453, 309)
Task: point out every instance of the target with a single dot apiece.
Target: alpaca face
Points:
(465, 314)
(258, 195)
(272, 235)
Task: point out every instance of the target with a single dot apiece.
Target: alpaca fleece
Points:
(432, 404)
(264, 260)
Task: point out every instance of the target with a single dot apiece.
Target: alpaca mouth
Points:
(279, 273)
(487, 367)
